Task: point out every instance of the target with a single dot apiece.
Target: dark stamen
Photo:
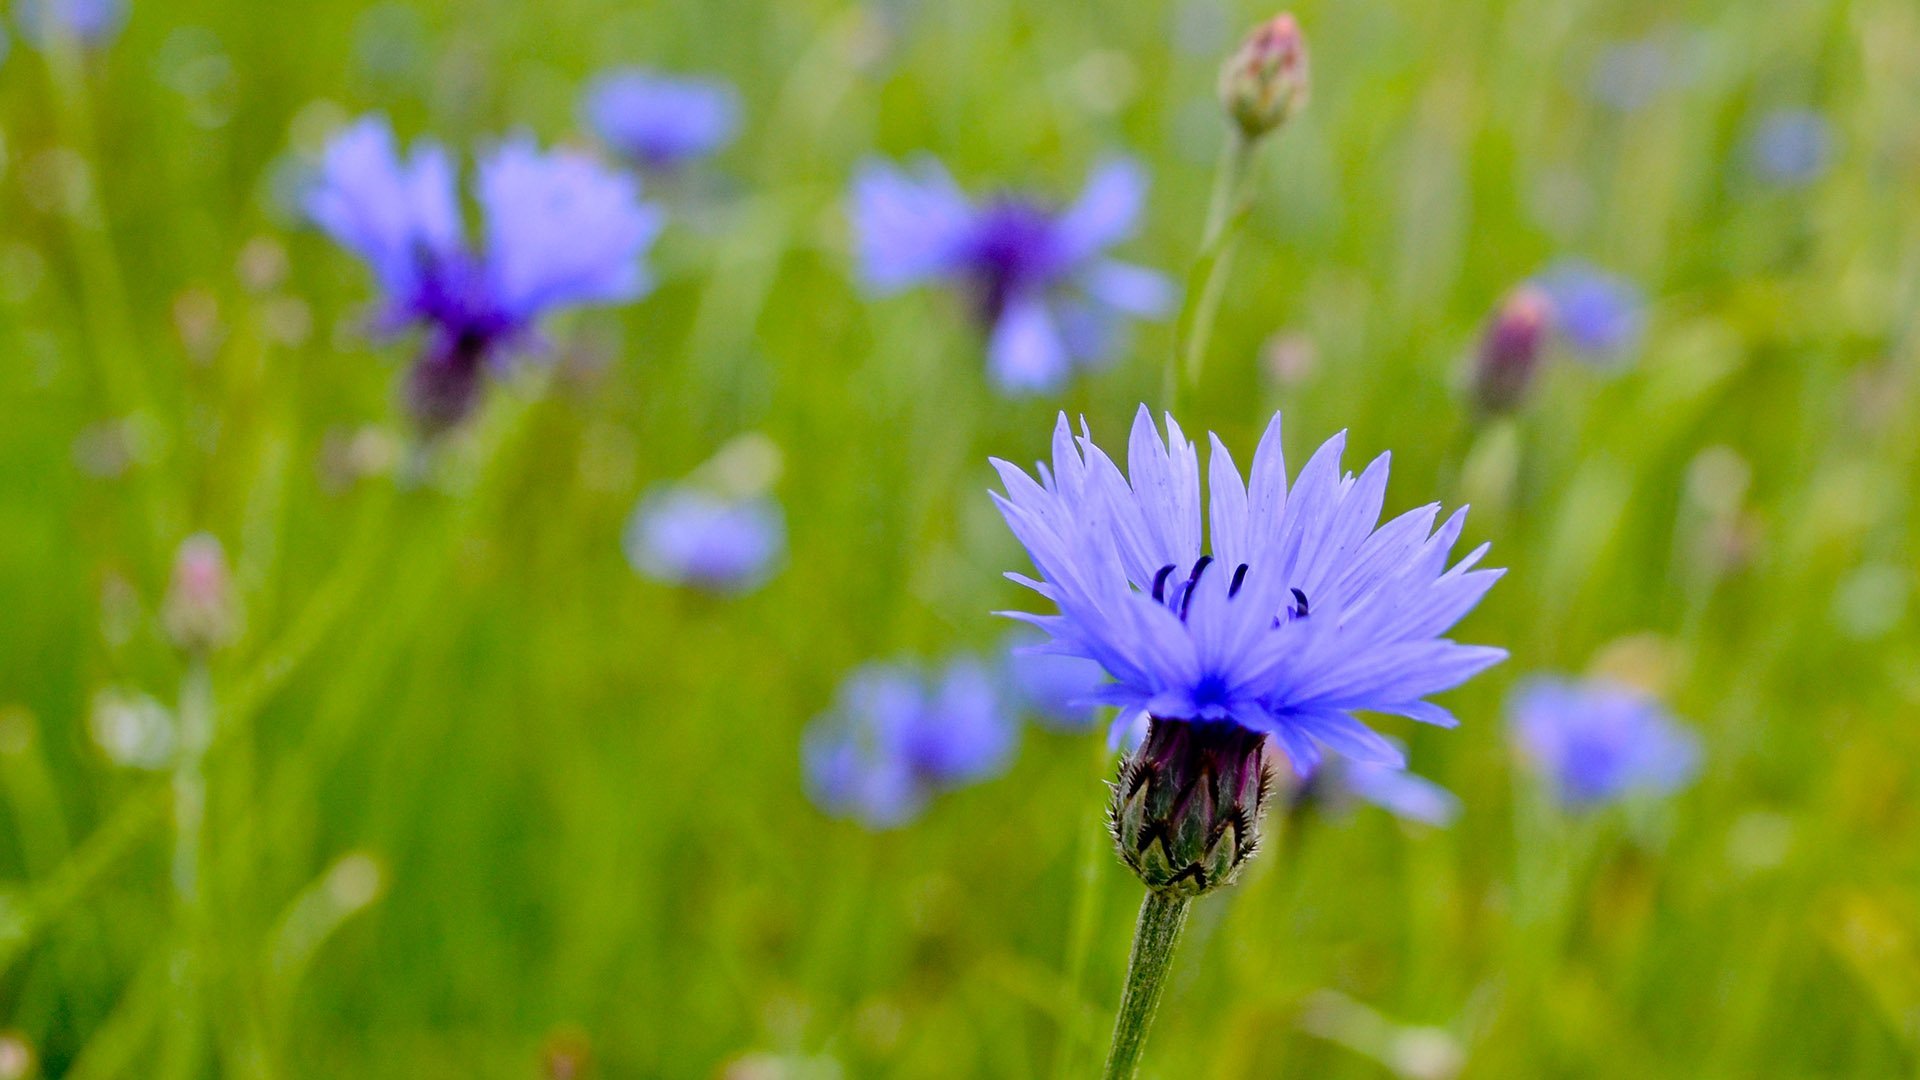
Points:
(1193, 579)
(1160, 584)
(1299, 610)
(1239, 579)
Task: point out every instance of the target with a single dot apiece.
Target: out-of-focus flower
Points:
(1264, 83)
(1791, 148)
(1299, 610)
(88, 22)
(686, 535)
(1597, 741)
(132, 729)
(1630, 74)
(659, 122)
(1510, 349)
(1061, 691)
(1339, 781)
(898, 735)
(201, 611)
(1038, 276)
(1601, 315)
(558, 230)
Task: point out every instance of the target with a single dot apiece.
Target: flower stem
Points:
(195, 719)
(1161, 919)
(1207, 279)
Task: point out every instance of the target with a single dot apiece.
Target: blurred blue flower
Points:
(1603, 316)
(1791, 147)
(685, 535)
(659, 122)
(1597, 741)
(1039, 276)
(1302, 612)
(1631, 73)
(1397, 791)
(897, 736)
(1062, 691)
(88, 22)
(557, 230)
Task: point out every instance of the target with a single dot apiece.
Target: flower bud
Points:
(1186, 808)
(200, 612)
(1264, 83)
(1510, 349)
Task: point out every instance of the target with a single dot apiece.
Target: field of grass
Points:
(480, 801)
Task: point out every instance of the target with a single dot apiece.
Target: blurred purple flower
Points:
(557, 230)
(87, 22)
(1597, 741)
(897, 736)
(1791, 147)
(1601, 315)
(1631, 73)
(660, 122)
(1062, 691)
(1039, 277)
(1396, 791)
(684, 535)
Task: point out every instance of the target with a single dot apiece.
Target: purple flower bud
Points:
(1264, 84)
(660, 123)
(685, 535)
(200, 612)
(1510, 349)
(1186, 808)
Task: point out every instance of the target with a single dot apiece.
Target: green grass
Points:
(481, 796)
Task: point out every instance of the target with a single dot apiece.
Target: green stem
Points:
(189, 867)
(1161, 920)
(1207, 279)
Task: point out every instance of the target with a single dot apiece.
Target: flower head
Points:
(1791, 148)
(1598, 741)
(201, 611)
(557, 230)
(658, 122)
(1510, 348)
(1298, 610)
(686, 535)
(1601, 315)
(896, 736)
(87, 22)
(1264, 83)
(1038, 275)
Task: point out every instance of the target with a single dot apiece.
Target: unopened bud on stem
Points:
(200, 611)
(1264, 83)
(1186, 808)
(1510, 349)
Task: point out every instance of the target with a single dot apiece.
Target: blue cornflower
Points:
(1597, 741)
(557, 230)
(1039, 276)
(1791, 147)
(1601, 315)
(1061, 691)
(87, 22)
(1341, 780)
(896, 736)
(1297, 613)
(659, 122)
(686, 535)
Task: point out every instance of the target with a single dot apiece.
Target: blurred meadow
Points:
(482, 801)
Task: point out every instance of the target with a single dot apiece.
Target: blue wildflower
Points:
(1597, 741)
(685, 535)
(1062, 691)
(1601, 315)
(557, 230)
(897, 736)
(1039, 276)
(659, 122)
(86, 22)
(1297, 613)
(1340, 781)
(1791, 147)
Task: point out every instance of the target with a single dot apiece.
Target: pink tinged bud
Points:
(1264, 84)
(200, 612)
(1510, 350)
